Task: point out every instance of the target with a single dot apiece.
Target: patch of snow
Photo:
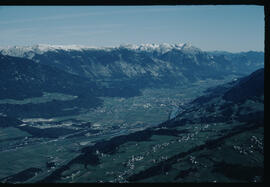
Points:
(37, 120)
(161, 48)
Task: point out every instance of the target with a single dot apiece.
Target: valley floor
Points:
(21, 148)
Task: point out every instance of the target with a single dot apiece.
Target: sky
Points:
(233, 28)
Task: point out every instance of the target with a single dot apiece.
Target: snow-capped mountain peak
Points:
(161, 48)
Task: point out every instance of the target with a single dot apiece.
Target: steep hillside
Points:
(21, 78)
(26, 81)
(248, 87)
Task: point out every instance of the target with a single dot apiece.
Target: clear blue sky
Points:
(224, 27)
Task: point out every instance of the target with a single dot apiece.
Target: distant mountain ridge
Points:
(123, 70)
(145, 47)
(42, 48)
(145, 65)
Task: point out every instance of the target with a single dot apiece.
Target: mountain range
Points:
(133, 67)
